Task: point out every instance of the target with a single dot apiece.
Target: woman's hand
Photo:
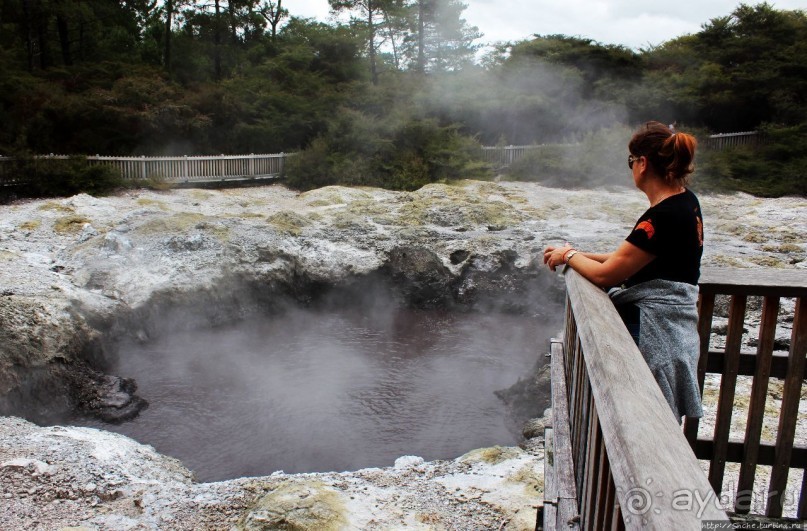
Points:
(553, 256)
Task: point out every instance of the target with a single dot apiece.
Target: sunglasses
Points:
(631, 160)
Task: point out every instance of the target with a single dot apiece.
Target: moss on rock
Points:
(492, 455)
(288, 222)
(181, 222)
(30, 225)
(529, 477)
(56, 207)
(70, 224)
(297, 506)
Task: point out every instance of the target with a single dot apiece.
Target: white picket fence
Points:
(217, 168)
(184, 169)
(502, 156)
(728, 140)
(196, 168)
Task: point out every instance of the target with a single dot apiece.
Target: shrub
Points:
(774, 168)
(49, 177)
(598, 159)
(400, 153)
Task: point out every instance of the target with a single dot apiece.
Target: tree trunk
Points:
(391, 34)
(276, 20)
(64, 35)
(421, 66)
(42, 37)
(371, 31)
(217, 42)
(25, 30)
(169, 15)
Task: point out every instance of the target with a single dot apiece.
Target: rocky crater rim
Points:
(77, 274)
(76, 377)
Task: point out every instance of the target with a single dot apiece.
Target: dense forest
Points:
(396, 95)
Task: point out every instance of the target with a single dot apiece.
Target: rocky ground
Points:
(78, 273)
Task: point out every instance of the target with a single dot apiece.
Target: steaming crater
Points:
(333, 386)
(79, 275)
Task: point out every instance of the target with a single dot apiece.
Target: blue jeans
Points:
(630, 316)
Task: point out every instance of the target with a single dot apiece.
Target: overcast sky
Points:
(633, 23)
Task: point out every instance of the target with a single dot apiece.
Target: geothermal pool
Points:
(313, 390)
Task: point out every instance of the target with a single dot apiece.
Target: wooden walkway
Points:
(617, 459)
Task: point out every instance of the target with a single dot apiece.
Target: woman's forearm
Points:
(598, 257)
(601, 269)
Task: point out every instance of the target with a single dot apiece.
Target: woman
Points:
(657, 266)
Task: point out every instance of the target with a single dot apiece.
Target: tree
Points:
(738, 72)
(371, 14)
(442, 40)
(79, 30)
(273, 13)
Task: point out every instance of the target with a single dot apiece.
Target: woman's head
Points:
(669, 154)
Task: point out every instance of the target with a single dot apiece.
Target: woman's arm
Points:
(615, 268)
(598, 257)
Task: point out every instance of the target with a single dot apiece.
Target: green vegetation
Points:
(597, 159)
(390, 98)
(49, 177)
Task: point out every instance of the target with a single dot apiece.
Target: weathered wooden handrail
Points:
(763, 365)
(633, 467)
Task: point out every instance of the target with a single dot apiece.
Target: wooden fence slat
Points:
(728, 383)
(651, 453)
(735, 450)
(550, 484)
(788, 414)
(773, 282)
(563, 465)
(610, 506)
(748, 364)
(580, 435)
(706, 307)
(590, 460)
(756, 409)
(601, 502)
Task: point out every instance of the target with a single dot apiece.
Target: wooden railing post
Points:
(633, 466)
(762, 365)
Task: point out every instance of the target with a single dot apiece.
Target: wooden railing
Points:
(185, 169)
(766, 367)
(503, 156)
(617, 457)
(729, 140)
(190, 169)
(197, 168)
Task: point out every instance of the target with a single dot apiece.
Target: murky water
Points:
(314, 391)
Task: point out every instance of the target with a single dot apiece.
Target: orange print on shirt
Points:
(699, 224)
(647, 227)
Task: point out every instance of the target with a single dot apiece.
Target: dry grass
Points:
(56, 207)
(30, 225)
(70, 224)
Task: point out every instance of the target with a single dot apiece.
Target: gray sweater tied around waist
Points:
(668, 339)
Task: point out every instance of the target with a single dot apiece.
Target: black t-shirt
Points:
(672, 231)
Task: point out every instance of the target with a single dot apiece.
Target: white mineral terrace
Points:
(107, 255)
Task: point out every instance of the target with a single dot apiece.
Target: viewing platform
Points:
(617, 459)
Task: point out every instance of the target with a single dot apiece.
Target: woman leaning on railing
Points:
(656, 269)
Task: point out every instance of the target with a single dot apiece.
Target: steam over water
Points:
(314, 390)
